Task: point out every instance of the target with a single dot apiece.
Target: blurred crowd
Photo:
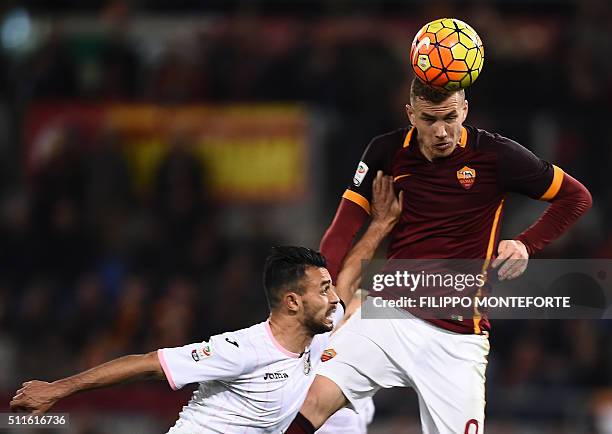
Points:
(91, 269)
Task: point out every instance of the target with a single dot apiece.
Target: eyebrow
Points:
(446, 115)
(326, 282)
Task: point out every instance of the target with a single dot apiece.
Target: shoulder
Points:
(391, 140)
(493, 142)
(382, 149)
(241, 339)
(237, 346)
(509, 153)
(518, 169)
(377, 156)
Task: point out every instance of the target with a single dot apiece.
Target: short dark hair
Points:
(285, 267)
(418, 89)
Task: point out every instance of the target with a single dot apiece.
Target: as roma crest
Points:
(466, 177)
(330, 353)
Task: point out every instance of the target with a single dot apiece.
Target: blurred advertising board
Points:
(250, 153)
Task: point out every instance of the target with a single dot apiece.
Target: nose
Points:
(333, 297)
(440, 130)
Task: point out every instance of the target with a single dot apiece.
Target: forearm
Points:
(340, 235)
(121, 370)
(571, 202)
(350, 275)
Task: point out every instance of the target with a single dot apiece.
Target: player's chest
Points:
(464, 180)
(281, 376)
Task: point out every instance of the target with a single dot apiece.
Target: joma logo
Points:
(275, 376)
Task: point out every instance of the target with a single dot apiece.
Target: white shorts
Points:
(446, 369)
(347, 421)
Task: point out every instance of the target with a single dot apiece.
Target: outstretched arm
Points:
(386, 209)
(39, 396)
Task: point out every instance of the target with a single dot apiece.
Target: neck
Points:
(289, 333)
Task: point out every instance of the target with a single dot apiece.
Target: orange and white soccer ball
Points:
(447, 54)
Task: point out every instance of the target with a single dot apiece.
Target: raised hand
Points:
(386, 207)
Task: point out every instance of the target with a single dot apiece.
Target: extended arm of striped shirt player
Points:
(386, 209)
(39, 396)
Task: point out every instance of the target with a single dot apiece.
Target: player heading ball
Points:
(456, 178)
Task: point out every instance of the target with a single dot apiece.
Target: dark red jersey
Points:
(452, 206)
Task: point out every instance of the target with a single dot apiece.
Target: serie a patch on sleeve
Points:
(203, 352)
(360, 173)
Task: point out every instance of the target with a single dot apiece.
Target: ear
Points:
(293, 301)
(410, 113)
(465, 110)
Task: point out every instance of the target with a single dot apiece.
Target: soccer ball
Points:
(447, 54)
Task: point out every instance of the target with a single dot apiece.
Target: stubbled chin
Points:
(445, 152)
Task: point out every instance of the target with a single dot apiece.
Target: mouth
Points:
(329, 315)
(443, 146)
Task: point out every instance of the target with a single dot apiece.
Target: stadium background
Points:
(151, 152)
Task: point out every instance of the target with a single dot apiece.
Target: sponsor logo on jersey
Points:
(235, 343)
(328, 354)
(202, 352)
(362, 170)
(275, 376)
(466, 176)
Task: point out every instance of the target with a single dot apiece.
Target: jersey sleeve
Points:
(221, 358)
(377, 156)
(521, 171)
